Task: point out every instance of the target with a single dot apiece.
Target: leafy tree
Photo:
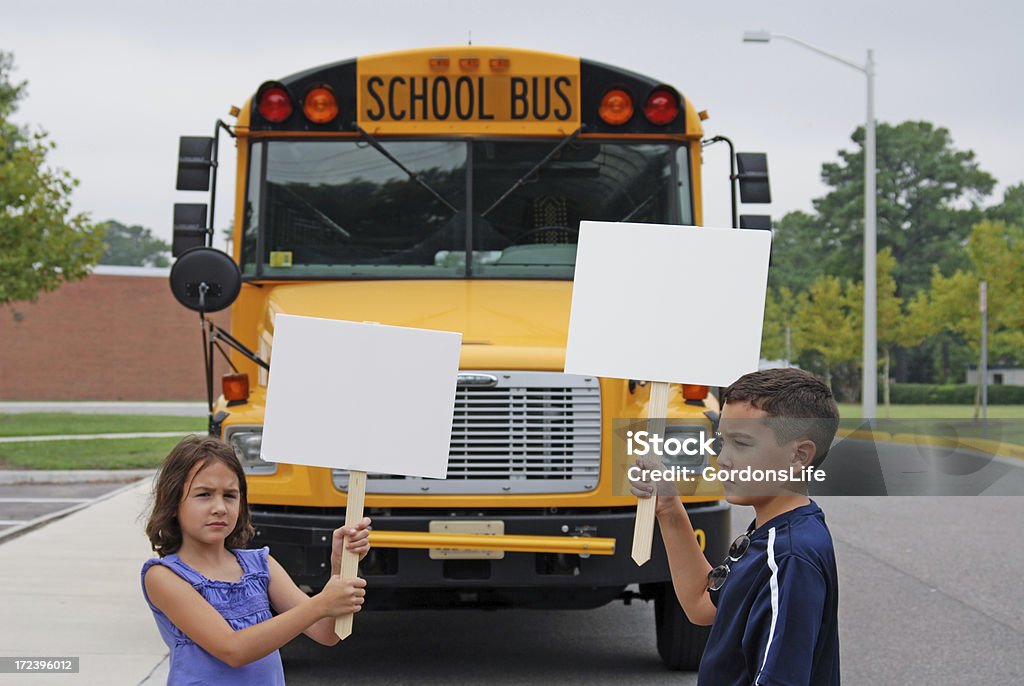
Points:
(42, 244)
(928, 195)
(823, 323)
(779, 315)
(996, 252)
(897, 326)
(133, 246)
(799, 245)
(1011, 210)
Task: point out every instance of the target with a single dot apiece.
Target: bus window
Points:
(342, 209)
(683, 185)
(532, 231)
(251, 219)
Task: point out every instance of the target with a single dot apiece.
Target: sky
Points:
(116, 83)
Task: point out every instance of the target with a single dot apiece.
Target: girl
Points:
(211, 598)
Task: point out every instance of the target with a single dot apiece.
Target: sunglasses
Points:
(718, 575)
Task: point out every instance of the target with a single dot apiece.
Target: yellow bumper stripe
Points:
(512, 544)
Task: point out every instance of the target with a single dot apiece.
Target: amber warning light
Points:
(235, 387)
(616, 107)
(694, 392)
(319, 105)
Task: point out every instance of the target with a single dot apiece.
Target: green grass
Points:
(948, 420)
(144, 453)
(40, 424)
(114, 453)
(852, 410)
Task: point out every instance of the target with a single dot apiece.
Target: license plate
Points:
(491, 527)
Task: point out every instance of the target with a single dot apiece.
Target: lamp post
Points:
(869, 380)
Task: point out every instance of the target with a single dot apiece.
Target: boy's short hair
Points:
(797, 403)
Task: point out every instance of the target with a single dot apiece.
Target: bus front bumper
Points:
(550, 559)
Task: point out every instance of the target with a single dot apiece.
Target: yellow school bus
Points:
(443, 189)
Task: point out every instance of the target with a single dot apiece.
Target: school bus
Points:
(443, 189)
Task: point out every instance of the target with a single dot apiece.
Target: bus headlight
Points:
(692, 437)
(247, 440)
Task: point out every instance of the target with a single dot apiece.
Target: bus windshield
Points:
(344, 209)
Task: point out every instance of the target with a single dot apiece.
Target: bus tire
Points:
(680, 642)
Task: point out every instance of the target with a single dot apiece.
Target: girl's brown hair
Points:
(163, 529)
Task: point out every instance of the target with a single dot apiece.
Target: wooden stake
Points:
(350, 560)
(643, 528)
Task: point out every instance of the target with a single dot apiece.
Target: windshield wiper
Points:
(412, 175)
(636, 210)
(319, 215)
(522, 179)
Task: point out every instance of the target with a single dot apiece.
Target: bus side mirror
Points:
(195, 159)
(205, 280)
(189, 227)
(753, 177)
(756, 221)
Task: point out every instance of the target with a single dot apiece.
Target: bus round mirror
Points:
(205, 280)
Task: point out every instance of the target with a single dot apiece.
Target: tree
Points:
(779, 315)
(996, 252)
(42, 244)
(823, 323)
(798, 248)
(928, 197)
(897, 326)
(1011, 210)
(133, 246)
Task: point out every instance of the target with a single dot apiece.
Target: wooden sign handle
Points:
(350, 560)
(643, 527)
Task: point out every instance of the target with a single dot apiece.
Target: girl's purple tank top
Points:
(242, 603)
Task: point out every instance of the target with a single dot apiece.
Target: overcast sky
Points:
(116, 83)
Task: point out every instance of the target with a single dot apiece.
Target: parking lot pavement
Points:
(27, 505)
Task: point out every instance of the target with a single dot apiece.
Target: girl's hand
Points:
(358, 541)
(341, 596)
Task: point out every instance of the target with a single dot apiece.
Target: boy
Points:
(773, 602)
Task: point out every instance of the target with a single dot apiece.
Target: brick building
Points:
(118, 334)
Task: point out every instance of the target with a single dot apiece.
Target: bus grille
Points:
(526, 432)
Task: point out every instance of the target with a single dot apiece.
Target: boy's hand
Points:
(667, 491)
(358, 541)
(342, 596)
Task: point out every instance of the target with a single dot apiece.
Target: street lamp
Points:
(869, 379)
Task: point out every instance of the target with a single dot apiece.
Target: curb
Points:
(998, 448)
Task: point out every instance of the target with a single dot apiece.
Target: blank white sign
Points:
(361, 396)
(654, 302)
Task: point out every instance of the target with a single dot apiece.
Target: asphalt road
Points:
(930, 593)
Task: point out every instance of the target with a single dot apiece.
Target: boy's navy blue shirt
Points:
(777, 619)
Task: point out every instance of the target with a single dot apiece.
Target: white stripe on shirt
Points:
(774, 585)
